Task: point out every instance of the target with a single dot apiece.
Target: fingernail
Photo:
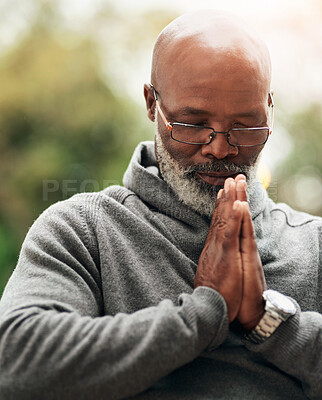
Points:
(227, 185)
(219, 194)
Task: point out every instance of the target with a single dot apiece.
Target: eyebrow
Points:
(247, 114)
(196, 111)
(190, 110)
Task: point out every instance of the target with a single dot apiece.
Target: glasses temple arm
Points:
(270, 95)
(167, 124)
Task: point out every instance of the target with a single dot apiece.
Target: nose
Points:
(219, 147)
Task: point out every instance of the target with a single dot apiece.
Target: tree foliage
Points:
(62, 130)
(65, 126)
(300, 175)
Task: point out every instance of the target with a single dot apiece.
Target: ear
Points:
(149, 101)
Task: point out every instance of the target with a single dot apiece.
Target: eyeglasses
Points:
(200, 135)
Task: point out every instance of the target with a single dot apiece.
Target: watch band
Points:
(278, 308)
(265, 328)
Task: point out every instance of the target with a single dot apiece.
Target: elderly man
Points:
(158, 289)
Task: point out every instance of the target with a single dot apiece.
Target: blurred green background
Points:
(72, 109)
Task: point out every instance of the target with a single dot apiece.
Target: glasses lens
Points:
(251, 137)
(191, 134)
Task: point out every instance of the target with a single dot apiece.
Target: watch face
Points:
(280, 301)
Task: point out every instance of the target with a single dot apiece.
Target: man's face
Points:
(191, 190)
(223, 93)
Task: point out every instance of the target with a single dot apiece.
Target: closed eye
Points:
(240, 125)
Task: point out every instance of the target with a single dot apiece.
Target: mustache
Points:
(218, 166)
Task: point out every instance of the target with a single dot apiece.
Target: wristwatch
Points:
(278, 308)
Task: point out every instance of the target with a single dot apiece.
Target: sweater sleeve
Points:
(296, 349)
(56, 342)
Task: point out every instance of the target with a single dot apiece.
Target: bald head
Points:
(198, 39)
(209, 71)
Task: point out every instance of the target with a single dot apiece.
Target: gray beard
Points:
(196, 194)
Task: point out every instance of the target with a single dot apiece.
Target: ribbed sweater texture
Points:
(101, 304)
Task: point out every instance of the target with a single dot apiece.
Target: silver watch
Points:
(278, 308)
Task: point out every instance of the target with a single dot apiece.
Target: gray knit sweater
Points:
(101, 304)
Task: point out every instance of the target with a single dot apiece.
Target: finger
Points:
(241, 186)
(251, 308)
(248, 229)
(224, 202)
(253, 265)
(220, 264)
(240, 177)
(230, 190)
(234, 226)
(216, 215)
(223, 209)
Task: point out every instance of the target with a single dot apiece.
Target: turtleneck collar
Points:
(143, 178)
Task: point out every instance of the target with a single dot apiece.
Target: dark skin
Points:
(206, 67)
(229, 262)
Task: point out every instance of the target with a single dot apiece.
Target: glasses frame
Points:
(170, 125)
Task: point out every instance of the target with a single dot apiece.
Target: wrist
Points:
(249, 326)
(278, 308)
